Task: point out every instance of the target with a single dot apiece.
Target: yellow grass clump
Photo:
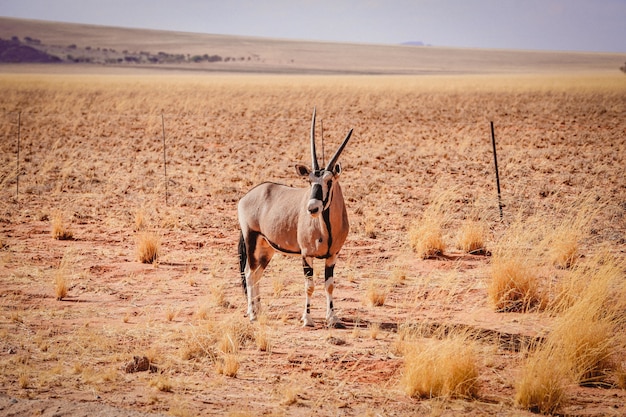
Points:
(514, 287)
(228, 365)
(571, 227)
(441, 368)
(376, 294)
(584, 341)
(148, 247)
(426, 235)
(541, 387)
(61, 281)
(60, 230)
(472, 237)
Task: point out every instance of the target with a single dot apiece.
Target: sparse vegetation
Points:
(60, 230)
(440, 368)
(148, 247)
(417, 136)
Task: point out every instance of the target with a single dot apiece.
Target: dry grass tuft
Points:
(262, 339)
(140, 220)
(61, 284)
(426, 235)
(148, 247)
(162, 383)
(572, 226)
(441, 368)
(228, 365)
(541, 388)
(60, 230)
(584, 341)
(514, 287)
(376, 294)
(472, 237)
(199, 343)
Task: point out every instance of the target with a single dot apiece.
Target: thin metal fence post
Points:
(495, 160)
(164, 156)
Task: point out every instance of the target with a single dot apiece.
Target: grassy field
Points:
(535, 308)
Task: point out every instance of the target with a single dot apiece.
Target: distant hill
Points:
(14, 51)
(41, 41)
(413, 43)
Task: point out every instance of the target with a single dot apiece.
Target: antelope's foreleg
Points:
(329, 285)
(309, 287)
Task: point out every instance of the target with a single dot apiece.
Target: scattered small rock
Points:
(336, 341)
(140, 364)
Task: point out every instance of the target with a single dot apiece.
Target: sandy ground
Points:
(102, 173)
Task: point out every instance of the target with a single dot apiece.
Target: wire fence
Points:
(170, 143)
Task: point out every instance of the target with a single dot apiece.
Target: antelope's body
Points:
(308, 222)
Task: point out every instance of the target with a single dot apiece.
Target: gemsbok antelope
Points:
(309, 222)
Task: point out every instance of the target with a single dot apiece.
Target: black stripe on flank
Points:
(279, 249)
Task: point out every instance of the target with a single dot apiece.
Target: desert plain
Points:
(99, 161)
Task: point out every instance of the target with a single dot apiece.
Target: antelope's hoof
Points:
(307, 321)
(333, 322)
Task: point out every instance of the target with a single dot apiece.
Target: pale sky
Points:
(571, 25)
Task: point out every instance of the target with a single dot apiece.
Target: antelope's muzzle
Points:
(315, 203)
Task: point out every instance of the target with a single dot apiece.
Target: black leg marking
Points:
(308, 270)
(329, 271)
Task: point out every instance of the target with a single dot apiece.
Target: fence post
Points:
(495, 160)
(17, 178)
(164, 156)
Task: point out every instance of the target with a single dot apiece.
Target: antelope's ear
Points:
(302, 170)
(337, 169)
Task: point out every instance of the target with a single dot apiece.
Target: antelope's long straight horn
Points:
(333, 160)
(314, 163)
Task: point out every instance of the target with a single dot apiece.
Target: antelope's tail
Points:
(243, 258)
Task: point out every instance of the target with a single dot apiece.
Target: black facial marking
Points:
(331, 305)
(308, 309)
(316, 192)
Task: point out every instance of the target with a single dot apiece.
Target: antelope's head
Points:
(321, 180)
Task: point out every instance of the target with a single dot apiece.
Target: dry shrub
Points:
(596, 281)
(514, 287)
(573, 224)
(60, 230)
(587, 332)
(162, 383)
(235, 332)
(140, 220)
(61, 284)
(199, 343)
(441, 368)
(426, 239)
(376, 294)
(426, 235)
(148, 246)
(472, 237)
(585, 339)
(541, 387)
(262, 339)
(515, 284)
(228, 365)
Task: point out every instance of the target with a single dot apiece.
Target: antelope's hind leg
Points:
(259, 255)
(329, 285)
(309, 287)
